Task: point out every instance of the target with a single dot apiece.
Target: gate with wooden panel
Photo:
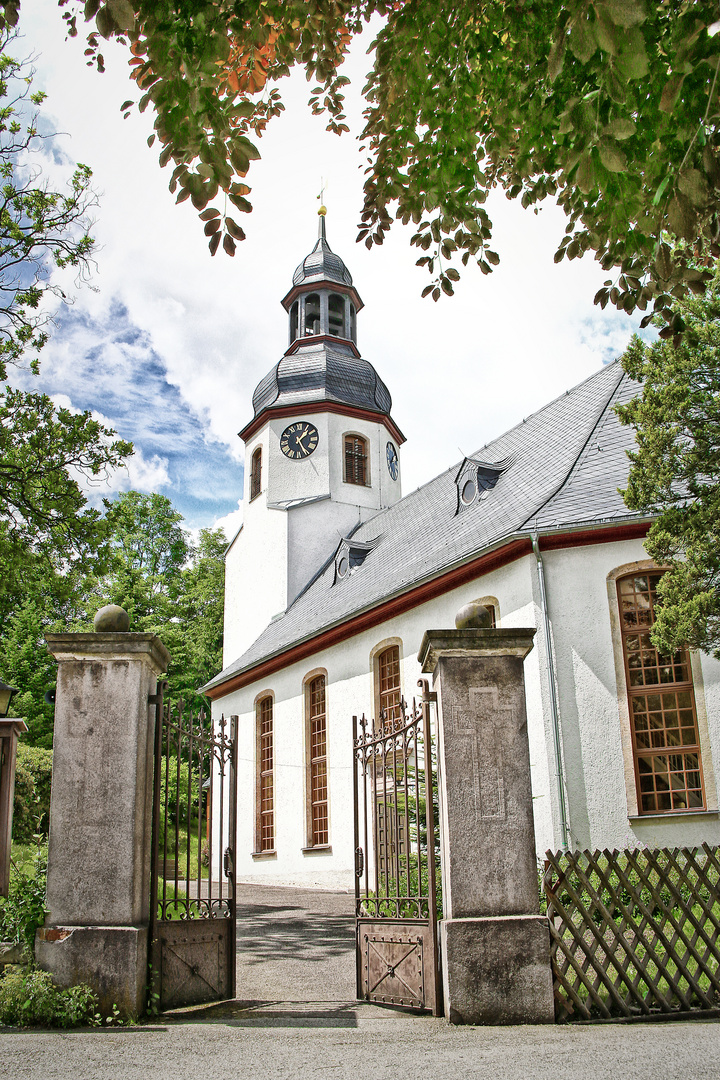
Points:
(192, 905)
(397, 858)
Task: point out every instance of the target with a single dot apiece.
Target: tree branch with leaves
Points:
(612, 107)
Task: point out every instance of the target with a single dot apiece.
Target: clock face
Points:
(299, 440)
(392, 460)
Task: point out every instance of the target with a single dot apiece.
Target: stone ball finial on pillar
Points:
(111, 619)
(473, 616)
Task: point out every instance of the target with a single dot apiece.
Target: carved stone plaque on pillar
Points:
(496, 948)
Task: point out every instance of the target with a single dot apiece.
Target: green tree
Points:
(675, 471)
(195, 636)
(148, 551)
(44, 514)
(47, 454)
(41, 229)
(26, 664)
(168, 585)
(610, 106)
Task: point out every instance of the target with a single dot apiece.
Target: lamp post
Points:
(7, 693)
(9, 731)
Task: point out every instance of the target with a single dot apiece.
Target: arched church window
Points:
(336, 315)
(356, 463)
(294, 321)
(661, 701)
(317, 786)
(389, 694)
(353, 327)
(312, 314)
(256, 473)
(265, 820)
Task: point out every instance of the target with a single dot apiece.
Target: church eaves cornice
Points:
(322, 407)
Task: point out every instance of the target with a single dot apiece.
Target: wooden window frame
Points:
(356, 461)
(265, 823)
(256, 473)
(388, 684)
(648, 676)
(317, 794)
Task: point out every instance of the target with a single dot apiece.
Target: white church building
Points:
(334, 577)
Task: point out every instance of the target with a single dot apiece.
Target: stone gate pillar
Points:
(98, 889)
(495, 946)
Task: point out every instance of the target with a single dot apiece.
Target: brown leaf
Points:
(228, 244)
(214, 243)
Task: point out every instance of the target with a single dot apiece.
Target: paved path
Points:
(370, 1049)
(295, 944)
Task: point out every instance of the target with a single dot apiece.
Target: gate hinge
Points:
(359, 862)
(228, 863)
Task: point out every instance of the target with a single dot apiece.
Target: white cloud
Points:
(230, 523)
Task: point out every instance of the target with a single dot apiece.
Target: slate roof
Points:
(322, 264)
(563, 465)
(322, 372)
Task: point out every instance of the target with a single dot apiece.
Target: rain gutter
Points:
(553, 690)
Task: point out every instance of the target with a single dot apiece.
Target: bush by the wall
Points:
(23, 910)
(29, 998)
(31, 808)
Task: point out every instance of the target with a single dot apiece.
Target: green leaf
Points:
(582, 41)
(632, 60)
(612, 157)
(693, 184)
(557, 55)
(626, 12)
(664, 263)
(620, 128)
(586, 174)
(607, 33)
(234, 229)
(661, 190)
(681, 217)
(671, 92)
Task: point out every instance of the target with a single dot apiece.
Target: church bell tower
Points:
(321, 451)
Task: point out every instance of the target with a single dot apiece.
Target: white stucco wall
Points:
(590, 717)
(285, 541)
(350, 690)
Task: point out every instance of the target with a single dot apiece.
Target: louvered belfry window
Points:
(317, 763)
(661, 700)
(355, 460)
(256, 473)
(389, 684)
(265, 829)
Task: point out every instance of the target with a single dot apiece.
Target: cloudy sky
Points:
(169, 343)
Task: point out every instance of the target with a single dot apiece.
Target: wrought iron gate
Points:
(192, 900)
(396, 859)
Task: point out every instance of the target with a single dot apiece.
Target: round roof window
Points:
(343, 566)
(469, 491)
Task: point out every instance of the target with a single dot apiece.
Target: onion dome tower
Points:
(322, 450)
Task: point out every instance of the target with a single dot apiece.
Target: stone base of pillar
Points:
(111, 959)
(497, 970)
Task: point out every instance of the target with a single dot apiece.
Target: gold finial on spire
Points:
(323, 209)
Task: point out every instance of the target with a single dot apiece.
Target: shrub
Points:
(23, 910)
(31, 808)
(29, 998)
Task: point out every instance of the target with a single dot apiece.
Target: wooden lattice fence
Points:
(634, 933)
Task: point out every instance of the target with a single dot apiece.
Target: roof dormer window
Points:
(350, 556)
(476, 479)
